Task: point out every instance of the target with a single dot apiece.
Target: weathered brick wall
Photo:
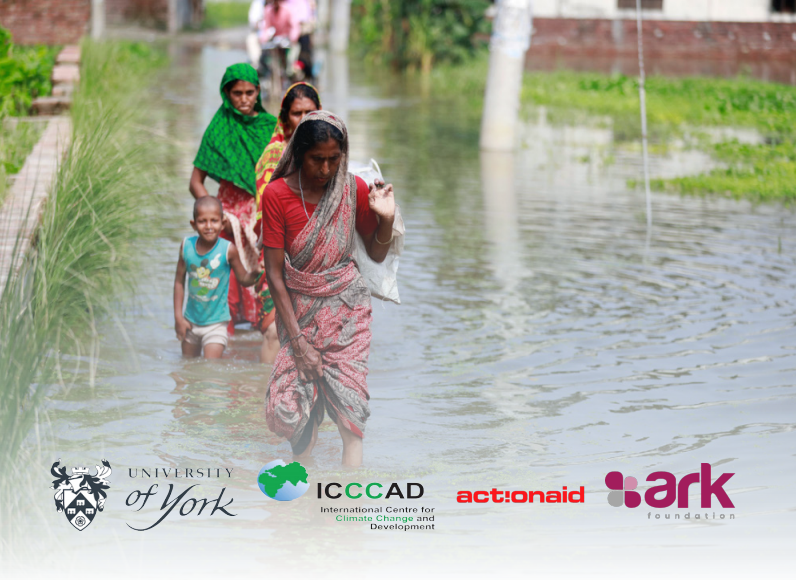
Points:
(46, 21)
(150, 12)
(666, 38)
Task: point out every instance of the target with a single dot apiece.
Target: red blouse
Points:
(284, 217)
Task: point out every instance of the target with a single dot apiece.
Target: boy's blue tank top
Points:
(208, 282)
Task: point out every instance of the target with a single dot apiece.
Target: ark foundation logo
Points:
(622, 490)
(81, 495)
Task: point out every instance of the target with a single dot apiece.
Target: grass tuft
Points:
(83, 257)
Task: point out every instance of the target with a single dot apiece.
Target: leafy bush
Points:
(418, 33)
(24, 74)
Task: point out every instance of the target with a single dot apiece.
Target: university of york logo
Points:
(622, 490)
(82, 495)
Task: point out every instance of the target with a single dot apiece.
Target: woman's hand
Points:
(309, 364)
(382, 200)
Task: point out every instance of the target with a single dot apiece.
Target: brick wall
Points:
(153, 12)
(665, 38)
(46, 21)
(150, 12)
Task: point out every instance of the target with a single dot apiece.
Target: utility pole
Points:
(97, 19)
(511, 37)
(341, 25)
(642, 97)
(322, 28)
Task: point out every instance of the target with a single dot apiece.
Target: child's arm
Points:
(244, 278)
(181, 326)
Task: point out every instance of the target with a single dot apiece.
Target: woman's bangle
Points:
(304, 353)
(299, 335)
(376, 237)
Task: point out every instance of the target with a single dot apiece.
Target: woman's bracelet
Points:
(304, 353)
(376, 237)
(299, 335)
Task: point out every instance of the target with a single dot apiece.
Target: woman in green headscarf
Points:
(231, 146)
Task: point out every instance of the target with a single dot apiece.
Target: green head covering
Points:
(233, 142)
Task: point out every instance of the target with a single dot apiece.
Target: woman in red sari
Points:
(312, 209)
(300, 99)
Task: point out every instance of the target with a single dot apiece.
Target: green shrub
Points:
(226, 14)
(24, 74)
(418, 33)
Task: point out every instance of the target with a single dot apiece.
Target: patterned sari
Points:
(264, 170)
(332, 306)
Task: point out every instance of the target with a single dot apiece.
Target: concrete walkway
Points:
(21, 211)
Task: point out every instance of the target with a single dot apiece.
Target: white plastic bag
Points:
(381, 278)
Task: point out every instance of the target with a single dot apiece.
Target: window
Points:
(783, 6)
(645, 4)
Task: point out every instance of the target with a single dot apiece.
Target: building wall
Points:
(150, 12)
(700, 10)
(46, 21)
(665, 38)
(157, 13)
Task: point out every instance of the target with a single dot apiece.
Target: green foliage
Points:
(757, 171)
(695, 101)
(760, 172)
(24, 74)
(417, 33)
(16, 142)
(226, 14)
(765, 171)
(83, 260)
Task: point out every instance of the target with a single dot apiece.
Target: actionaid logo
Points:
(664, 495)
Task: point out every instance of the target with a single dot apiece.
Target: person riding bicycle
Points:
(280, 22)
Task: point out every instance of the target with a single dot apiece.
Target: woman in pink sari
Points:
(312, 209)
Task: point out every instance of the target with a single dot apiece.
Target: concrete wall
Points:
(46, 21)
(700, 10)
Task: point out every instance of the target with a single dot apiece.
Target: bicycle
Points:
(273, 64)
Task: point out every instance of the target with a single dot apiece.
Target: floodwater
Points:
(544, 340)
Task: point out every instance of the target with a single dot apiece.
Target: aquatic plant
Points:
(675, 107)
(83, 257)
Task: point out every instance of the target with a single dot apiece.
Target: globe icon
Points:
(283, 482)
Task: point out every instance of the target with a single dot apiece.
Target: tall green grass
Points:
(83, 255)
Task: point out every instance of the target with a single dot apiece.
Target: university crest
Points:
(82, 495)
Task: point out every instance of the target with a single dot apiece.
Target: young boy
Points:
(206, 259)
